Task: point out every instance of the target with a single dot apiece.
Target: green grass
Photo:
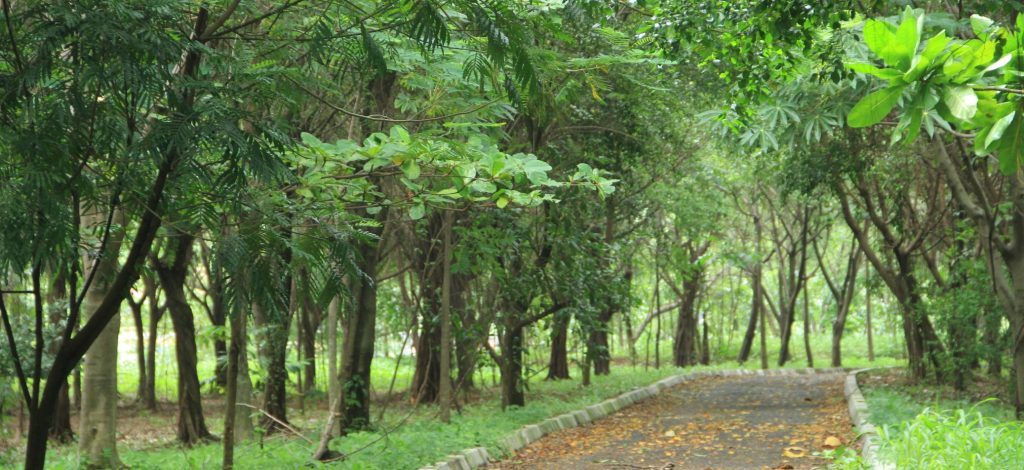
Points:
(920, 429)
(408, 437)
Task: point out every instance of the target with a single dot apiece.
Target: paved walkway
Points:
(744, 422)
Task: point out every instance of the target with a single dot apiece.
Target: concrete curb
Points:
(859, 415)
(476, 457)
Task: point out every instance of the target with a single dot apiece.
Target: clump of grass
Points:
(959, 438)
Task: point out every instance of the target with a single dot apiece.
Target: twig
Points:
(278, 421)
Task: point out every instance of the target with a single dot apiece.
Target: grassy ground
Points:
(932, 426)
(406, 436)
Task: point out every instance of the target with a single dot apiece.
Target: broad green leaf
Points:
(310, 140)
(1010, 146)
(884, 74)
(411, 169)
(416, 212)
(908, 37)
(999, 128)
(502, 202)
(961, 101)
(981, 26)
(933, 48)
(879, 36)
(999, 63)
(874, 107)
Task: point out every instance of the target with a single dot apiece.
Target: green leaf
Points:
(980, 25)
(411, 169)
(961, 101)
(999, 128)
(502, 202)
(416, 212)
(310, 140)
(1011, 145)
(999, 63)
(884, 74)
(874, 107)
(879, 36)
(908, 37)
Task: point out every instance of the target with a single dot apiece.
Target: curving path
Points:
(740, 422)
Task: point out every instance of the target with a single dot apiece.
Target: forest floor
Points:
(746, 422)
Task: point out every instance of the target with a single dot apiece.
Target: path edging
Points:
(475, 457)
(859, 414)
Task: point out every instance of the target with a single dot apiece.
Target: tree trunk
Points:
(140, 345)
(558, 362)
(172, 272)
(156, 313)
(705, 347)
(60, 429)
(807, 330)
(512, 393)
(867, 315)
(353, 407)
(308, 340)
(445, 388)
(751, 332)
(683, 347)
(231, 394)
(243, 428)
(427, 376)
(275, 392)
(332, 350)
(600, 355)
(98, 419)
(218, 317)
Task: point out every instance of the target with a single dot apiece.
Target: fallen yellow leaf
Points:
(794, 452)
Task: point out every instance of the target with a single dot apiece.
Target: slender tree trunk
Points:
(218, 317)
(60, 429)
(427, 375)
(705, 347)
(98, 419)
(353, 407)
(231, 392)
(470, 335)
(332, 350)
(136, 314)
(172, 272)
(807, 329)
(558, 363)
(243, 428)
(867, 314)
(308, 340)
(751, 331)
(759, 292)
(275, 391)
(512, 393)
(598, 344)
(445, 389)
(657, 322)
(156, 313)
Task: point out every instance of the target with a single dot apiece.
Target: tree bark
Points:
(445, 387)
(156, 313)
(512, 393)
(558, 362)
(172, 270)
(98, 418)
(353, 407)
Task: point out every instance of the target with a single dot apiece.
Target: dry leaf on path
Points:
(794, 452)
